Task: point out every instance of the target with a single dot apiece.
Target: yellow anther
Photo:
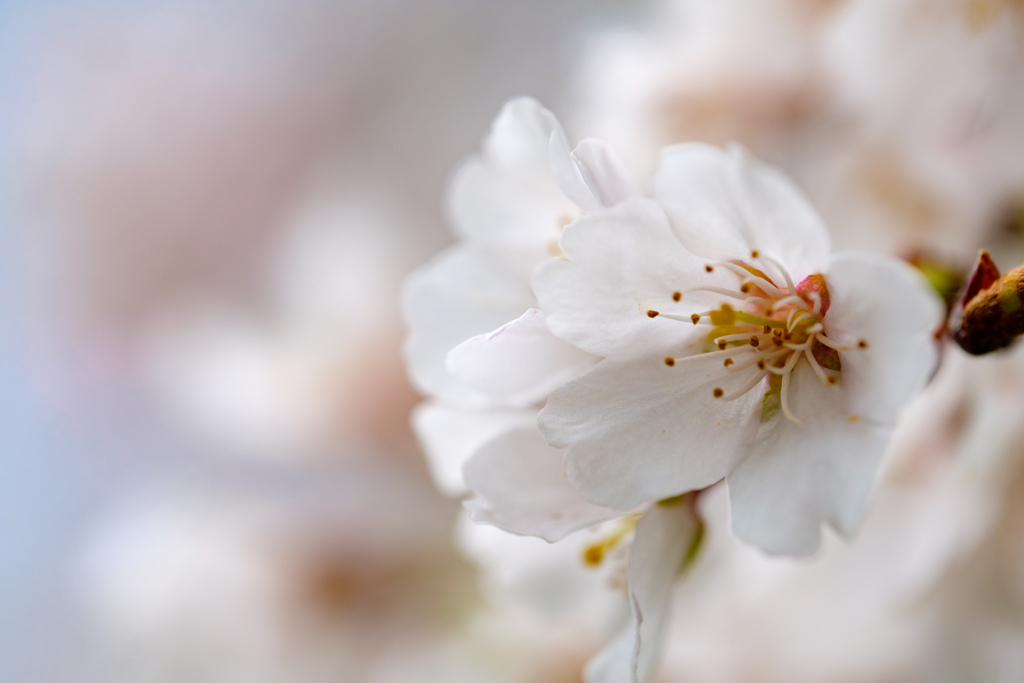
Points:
(723, 316)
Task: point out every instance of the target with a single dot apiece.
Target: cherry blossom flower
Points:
(507, 206)
(734, 347)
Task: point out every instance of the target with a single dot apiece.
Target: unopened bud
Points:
(989, 314)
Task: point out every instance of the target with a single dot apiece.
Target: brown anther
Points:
(718, 392)
(695, 318)
(767, 329)
(862, 344)
(593, 555)
(652, 314)
(777, 341)
(760, 364)
(755, 342)
(727, 362)
(745, 287)
(676, 296)
(709, 268)
(722, 345)
(831, 380)
(769, 311)
(754, 254)
(670, 361)
(777, 332)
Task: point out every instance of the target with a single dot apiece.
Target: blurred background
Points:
(207, 212)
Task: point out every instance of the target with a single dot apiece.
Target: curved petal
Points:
(520, 362)
(592, 175)
(458, 294)
(886, 303)
(663, 535)
(450, 436)
(725, 205)
(506, 197)
(623, 265)
(799, 475)
(520, 135)
(520, 486)
(640, 430)
(508, 209)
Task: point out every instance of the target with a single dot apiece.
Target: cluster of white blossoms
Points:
(596, 354)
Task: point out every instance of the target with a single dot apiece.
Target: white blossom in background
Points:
(895, 118)
(308, 368)
(220, 586)
(734, 346)
(937, 100)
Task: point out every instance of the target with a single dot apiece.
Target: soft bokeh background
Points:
(207, 210)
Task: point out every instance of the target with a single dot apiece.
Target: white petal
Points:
(798, 476)
(592, 175)
(520, 486)
(516, 209)
(663, 535)
(520, 135)
(724, 205)
(623, 264)
(640, 430)
(886, 303)
(451, 435)
(520, 362)
(457, 295)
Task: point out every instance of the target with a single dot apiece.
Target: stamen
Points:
(676, 296)
(828, 342)
(785, 388)
(792, 299)
(758, 300)
(817, 368)
(816, 299)
(718, 392)
(782, 269)
(717, 290)
(749, 277)
(800, 347)
(735, 338)
(751, 359)
(785, 402)
(747, 387)
(695, 318)
(670, 361)
(796, 319)
(652, 314)
(710, 354)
